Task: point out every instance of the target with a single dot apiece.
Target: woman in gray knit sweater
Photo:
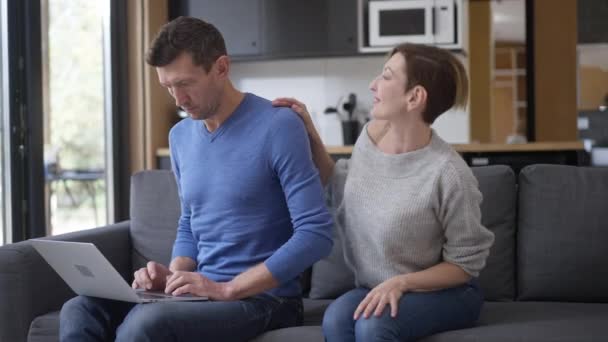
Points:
(407, 208)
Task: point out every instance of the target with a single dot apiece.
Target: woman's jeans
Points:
(94, 319)
(420, 314)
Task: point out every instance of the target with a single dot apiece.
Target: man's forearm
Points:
(251, 282)
(182, 264)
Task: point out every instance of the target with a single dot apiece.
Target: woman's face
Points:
(388, 89)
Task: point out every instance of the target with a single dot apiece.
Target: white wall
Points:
(319, 83)
(593, 55)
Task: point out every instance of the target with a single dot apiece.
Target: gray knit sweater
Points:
(403, 213)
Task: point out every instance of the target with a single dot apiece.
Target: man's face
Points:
(194, 90)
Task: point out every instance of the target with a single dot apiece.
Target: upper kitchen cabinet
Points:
(260, 29)
(240, 21)
(298, 28)
(591, 21)
(342, 27)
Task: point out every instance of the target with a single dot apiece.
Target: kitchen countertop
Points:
(465, 148)
(468, 148)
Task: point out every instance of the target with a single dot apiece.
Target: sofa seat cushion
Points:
(44, 328)
(511, 321)
(534, 321)
(295, 334)
(508, 322)
(314, 310)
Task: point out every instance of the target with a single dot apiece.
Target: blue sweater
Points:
(249, 194)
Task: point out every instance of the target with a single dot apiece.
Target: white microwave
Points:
(433, 22)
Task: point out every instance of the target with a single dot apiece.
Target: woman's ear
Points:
(417, 98)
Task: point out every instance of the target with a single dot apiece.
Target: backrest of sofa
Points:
(563, 233)
(155, 211)
(498, 213)
(331, 277)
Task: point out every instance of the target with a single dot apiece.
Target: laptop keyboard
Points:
(148, 295)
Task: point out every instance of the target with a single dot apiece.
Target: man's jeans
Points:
(419, 314)
(94, 319)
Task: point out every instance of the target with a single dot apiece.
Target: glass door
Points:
(74, 42)
(4, 227)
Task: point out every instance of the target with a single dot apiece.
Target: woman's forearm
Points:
(321, 158)
(440, 276)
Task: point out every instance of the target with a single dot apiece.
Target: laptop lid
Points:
(88, 273)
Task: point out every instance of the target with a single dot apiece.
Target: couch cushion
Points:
(314, 310)
(44, 328)
(534, 321)
(497, 185)
(517, 321)
(330, 276)
(508, 322)
(295, 334)
(563, 233)
(155, 211)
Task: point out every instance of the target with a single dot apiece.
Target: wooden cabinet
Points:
(509, 105)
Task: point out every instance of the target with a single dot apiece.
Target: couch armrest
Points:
(29, 287)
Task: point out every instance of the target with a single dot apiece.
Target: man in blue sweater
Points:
(252, 209)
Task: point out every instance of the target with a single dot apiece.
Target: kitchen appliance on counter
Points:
(350, 125)
(593, 131)
(338, 125)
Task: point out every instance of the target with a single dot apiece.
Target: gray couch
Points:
(546, 278)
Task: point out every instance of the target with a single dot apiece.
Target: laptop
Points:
(89, 273)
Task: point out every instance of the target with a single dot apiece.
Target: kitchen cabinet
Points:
(509, 96)
(591, 21)
(240, 21)
(298, 28)
(265, 29)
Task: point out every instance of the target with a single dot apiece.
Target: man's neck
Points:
(231, 98)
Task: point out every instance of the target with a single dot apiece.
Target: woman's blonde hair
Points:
(440, 73)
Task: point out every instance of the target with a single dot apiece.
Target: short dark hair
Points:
(200, 39)
(440, 73)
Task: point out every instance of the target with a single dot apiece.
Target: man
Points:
(253, 215)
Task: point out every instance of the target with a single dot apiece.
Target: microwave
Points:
(432, 22)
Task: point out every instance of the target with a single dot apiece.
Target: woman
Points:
(407, 208)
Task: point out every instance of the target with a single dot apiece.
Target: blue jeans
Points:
(95, 319)
(420, 314)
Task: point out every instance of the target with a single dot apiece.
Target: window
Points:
(4, 231)
(74, 41)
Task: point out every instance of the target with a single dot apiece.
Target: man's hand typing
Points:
(194, 283)
(152, 277)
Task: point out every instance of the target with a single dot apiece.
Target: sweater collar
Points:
(395, 165)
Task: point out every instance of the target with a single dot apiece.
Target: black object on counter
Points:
(350, 131)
